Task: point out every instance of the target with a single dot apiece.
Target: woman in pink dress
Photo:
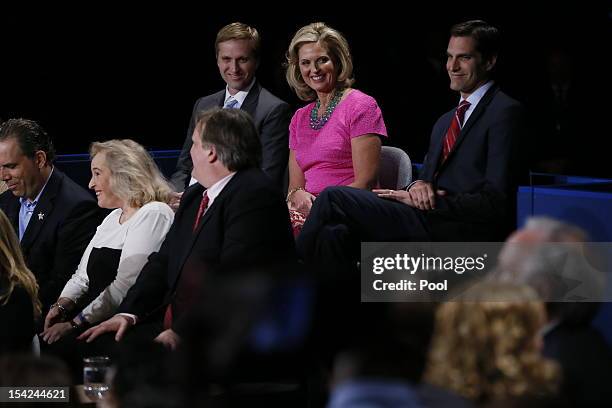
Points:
(335, 139)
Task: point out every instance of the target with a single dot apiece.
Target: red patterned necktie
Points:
(201, 209)
(168, 316)
(454, 129)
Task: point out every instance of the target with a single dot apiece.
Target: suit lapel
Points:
(478, 112)
(480, 109)
(43, 209)
(437, 148)
(185, 232)
(208, 215)
(250, 103)
(220, 99)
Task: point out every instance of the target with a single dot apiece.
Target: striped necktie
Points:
(230, 103)
(454, 129)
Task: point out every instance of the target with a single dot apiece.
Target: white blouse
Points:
(136, 238)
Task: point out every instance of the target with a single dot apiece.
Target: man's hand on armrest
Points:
(118, 323)
(419, 194)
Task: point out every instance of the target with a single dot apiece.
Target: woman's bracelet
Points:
(293, 190)
(61, 308)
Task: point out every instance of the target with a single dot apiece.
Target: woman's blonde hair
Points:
(13, 270)
(485, 348)
(334, 43)
(135, 177)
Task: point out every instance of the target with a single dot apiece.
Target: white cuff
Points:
(131, 316)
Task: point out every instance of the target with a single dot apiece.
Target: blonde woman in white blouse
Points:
(126, 179)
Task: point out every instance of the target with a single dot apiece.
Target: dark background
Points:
(107, 71)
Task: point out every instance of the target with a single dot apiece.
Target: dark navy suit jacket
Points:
(481, 172)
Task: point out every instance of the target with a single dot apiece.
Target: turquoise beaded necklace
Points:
(317, 123)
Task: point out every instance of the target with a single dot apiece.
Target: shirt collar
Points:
(240, 95)
(27, 202)
(477, 95)
(214, 190)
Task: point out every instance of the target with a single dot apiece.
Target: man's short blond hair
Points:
(239, 31)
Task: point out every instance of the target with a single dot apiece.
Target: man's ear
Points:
(212, 154)
(490, 64)
(40, 158)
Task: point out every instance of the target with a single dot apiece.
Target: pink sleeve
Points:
(366, 118)
(292, 129)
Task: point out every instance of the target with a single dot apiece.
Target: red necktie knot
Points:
(461, 109)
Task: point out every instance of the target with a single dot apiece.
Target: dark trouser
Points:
(343, 217)
(340, 219)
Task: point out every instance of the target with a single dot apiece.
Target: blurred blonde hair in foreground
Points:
(13, 270)
(2, 187)
(487, 348)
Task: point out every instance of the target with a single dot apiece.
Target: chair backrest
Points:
(395, 171)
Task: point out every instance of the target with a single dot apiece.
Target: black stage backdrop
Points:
(107, 71)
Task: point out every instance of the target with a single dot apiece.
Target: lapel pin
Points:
(41, 216)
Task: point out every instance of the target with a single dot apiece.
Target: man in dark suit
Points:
(467, 184)
(239, 224)
(237, 48)
(53, 216)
